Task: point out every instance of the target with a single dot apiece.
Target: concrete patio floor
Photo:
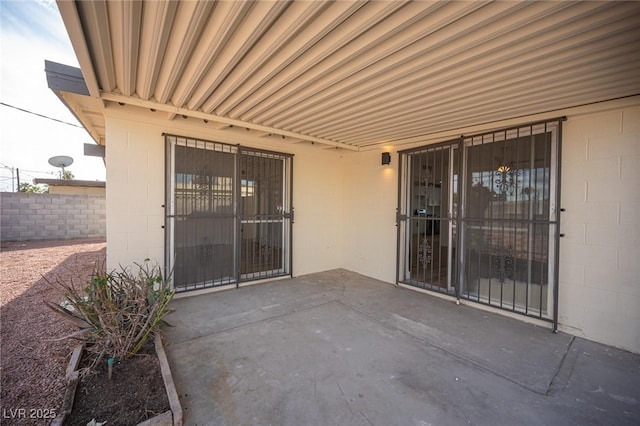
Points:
(339, 348)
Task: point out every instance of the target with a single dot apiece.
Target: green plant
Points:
(66, 175)
(32, 189)
(116, 312)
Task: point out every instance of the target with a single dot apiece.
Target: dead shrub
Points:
(116, 312)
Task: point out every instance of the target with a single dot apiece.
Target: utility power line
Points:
(15, 175)
(27, 171)
(40, 115)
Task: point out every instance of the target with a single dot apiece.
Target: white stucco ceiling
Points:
(355, 74)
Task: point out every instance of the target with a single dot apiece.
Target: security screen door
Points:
(478, 218)
(262, 213)
(228, 213)
(428, 209)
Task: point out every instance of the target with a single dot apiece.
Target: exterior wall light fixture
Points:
(386, 158)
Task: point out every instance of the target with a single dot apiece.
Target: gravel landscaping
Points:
(33, 356)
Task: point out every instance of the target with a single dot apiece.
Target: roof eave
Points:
(69, 85)
(71, 18)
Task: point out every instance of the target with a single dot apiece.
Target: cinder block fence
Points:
(25, 217)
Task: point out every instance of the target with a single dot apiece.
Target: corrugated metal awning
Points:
(356, 74)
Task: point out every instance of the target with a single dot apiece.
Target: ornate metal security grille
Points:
(502, 263)
(424, 253)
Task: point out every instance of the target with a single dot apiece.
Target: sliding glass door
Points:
(478, 218)
(228, 213)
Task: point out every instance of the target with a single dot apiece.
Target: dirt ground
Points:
(134, 394)
(33, 360)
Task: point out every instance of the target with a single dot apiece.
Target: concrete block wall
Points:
(32, 217)
(600, 254)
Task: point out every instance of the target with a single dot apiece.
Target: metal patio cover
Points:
(350, 74)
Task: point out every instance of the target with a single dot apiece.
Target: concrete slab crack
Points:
(250, 323)
(366, 418)
(346, 400)
(563, 371)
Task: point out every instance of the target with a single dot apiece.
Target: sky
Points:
(30, 32)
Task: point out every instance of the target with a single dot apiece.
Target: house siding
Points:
(599, 267)
(371, 194)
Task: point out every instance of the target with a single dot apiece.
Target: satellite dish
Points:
(61, 161)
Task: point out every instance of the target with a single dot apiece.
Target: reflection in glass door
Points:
(510, 219)
(201, 227)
